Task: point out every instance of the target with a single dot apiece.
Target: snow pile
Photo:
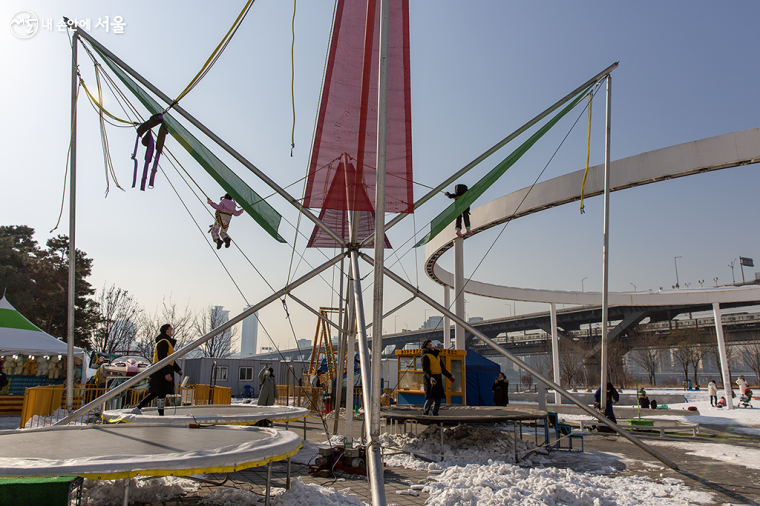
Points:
(111, 492)
(226, 496)
(462, 445)
(499, 483)
(303, 494)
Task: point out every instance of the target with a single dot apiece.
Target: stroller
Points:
(745, 401)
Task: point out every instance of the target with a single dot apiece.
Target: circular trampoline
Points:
(215, 414)
(452, 415)
(127, 450)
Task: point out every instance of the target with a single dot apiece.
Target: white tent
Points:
(19, 335)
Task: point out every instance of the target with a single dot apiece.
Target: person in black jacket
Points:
(460, 190)
(161, 382)
(611, 398)
(432, 381)
(500, 390)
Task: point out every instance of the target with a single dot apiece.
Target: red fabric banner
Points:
(347, 123)
(337, 219)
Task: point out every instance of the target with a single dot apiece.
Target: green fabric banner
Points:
(443, 220)
(254, 205)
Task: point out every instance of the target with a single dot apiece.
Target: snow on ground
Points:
(742, 421)
(500, 483)
(111, 492)
(462, 445)
(732, 454)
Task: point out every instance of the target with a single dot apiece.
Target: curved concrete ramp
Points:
(706, 155)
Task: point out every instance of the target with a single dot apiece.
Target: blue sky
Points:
(480, 69)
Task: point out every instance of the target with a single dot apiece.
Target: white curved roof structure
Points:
(706, 155)
(127, 450)
(233, 414)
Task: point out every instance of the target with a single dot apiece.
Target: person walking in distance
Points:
(712, 391)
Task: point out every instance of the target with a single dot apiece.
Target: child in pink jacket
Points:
(225, 210)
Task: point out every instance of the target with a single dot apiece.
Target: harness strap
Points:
(160, 139)
(147, 141)
(220, 221)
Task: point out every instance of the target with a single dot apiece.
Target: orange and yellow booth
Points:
(409, 389)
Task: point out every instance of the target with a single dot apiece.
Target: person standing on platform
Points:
(500, 390)
(460, 190)
(432, 380)
(161, 382)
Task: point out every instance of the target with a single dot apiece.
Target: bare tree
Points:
(219, 346)
(682, 352)
(150, 326)
(732, 354)
(751, 354)
(648, 358)
(118, 315)
(698, 352)
(618, 372)
(571, 358)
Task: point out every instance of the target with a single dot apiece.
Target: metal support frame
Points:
(555, 352)
(446, 323)
(341, 352)
(183, 351)
(269, 483)
(126, 491)
(72, 229)
(497, 147)
(459, 291)
(374, 453)
(606, 249)
(374, 462)
(386, 315)
(350, 343)
(211, 135)
(727, 388)
(589, 411)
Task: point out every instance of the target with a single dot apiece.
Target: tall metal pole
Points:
(459, 291)
(375, 463)
(446, 323)
(555, 352)
(606, 250)
(497, 146)
(72, 230)
(475, 332)
(350, 343)
(341, 353)
(211, 135)
(727, 388)
(190, 347)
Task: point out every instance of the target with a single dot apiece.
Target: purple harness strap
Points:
(144, 132)
(160, 138)
(147, 141)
